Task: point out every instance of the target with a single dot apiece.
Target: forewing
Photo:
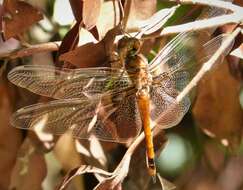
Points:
(69, 83)
(173, 68)
(174, 55)
(110, 119)
(176, 64)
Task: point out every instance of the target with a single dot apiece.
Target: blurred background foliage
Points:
(192, 159)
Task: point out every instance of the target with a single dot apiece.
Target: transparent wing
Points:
(173, 54)
(69, 83)
(172, 69)
(165, 110)
(177, 62)
(113, 119)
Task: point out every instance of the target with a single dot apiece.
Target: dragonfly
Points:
(114, 104)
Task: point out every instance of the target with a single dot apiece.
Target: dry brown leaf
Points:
(238, 2)
(91, 12)
(92, 152)
(69, 41)
(30, 169)
(238, 52)
(1, 14)
(77, 7)
(110, 17)
(76, 37)
(88, 55)
(95, 33)
(217, 109)
(10, 138)
(214, 155)
(165, 185)
(18, 17)
(86, 11)
(235, 61)
(66, 153)
(79, 171)
(137, 11)
(81, 10)
(235, 66)
(230, 178)
(91, 54)
(110, 183)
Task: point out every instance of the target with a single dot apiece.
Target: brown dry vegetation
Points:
(211, 131)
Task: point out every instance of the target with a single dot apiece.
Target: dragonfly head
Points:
(128, 47)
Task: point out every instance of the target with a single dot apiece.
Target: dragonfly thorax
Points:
(137, 69)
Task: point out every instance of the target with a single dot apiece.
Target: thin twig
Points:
(203, 24)
(235, 17)
(127, 12)
(198, 25)
(214, 3)
(130, 151)
(38, 48)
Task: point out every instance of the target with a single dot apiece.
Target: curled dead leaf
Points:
(10, 138)
(136, 11)
(92, 54)
(82, 9)
(79, 171)
(68, 157)
(1, 15)
(92, 152)
(165, 185)
(214, 156)
(70, 40)
(217, 109)
(93, 7)
(238, 52)
(18, 17)
(66, 153)
(111, 10)
(109, 184)
(30, 169)
(77, 7)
